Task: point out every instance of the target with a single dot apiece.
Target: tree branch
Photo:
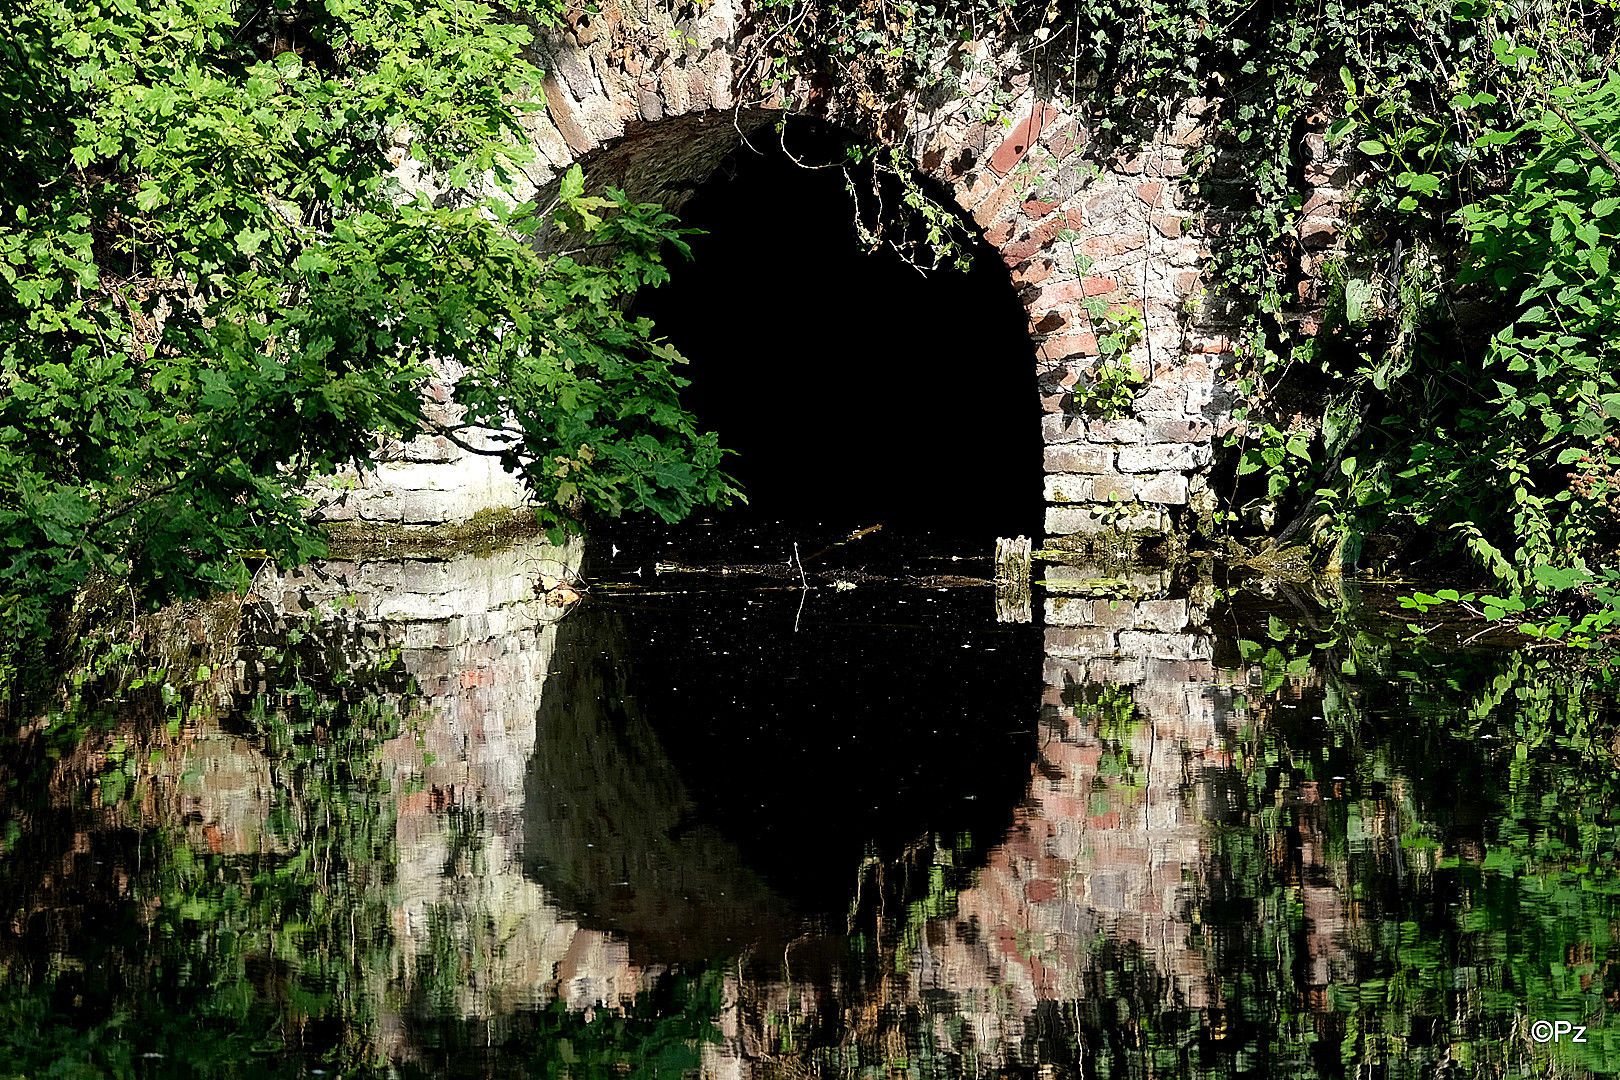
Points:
(1608, 159)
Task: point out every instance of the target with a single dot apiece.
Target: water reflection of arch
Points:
(725, 737)
(1092, 918)
(610, 828)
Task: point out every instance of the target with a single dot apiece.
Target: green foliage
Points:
(1114, 382)
(285, 955)
(1497, 199)
(1595, 628)
(1471, 306)
(216, 289)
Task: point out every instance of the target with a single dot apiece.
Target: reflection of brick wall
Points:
(1112, 849)
(1111, 833)
(479, 646)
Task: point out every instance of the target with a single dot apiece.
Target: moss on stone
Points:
(486, 531)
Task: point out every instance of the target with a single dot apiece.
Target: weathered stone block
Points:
(1069, 611)
(1078, 642)
(1115, 613)
(1073, 578)
(1170, 615)
(1067, 488)
(1081, 520)
(1172, 431)
(1156, 457)
(1113, 488)
(1066, 139)
(1078, 459)
(1116, 431)
(1109, 204)
(1164, 396)
(1165, 646)
(1168, 487)
(1061, 428)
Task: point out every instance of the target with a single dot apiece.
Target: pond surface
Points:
(406, 817)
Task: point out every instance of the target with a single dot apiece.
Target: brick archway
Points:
(651, 103)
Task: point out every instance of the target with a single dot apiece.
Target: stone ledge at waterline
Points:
(421, 493)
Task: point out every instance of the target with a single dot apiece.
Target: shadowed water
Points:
(406, 817)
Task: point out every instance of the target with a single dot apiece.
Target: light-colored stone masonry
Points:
(651, 103)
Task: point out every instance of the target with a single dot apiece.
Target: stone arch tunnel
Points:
(1069, 223)
(850, 384)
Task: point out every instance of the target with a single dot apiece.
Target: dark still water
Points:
(406, 818)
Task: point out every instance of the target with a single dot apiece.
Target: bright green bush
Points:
(215, 289)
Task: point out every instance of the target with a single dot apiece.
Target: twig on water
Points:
(804, 591)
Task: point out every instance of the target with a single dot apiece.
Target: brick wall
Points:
(652, 102)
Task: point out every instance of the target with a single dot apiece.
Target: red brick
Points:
(1012, 151)
(1325, 203)
(1096, 286)
(1038, 238)
(1101, 247)
(1038, 208)
(1032, 273)
(1167, 224)
(1317, 235)
(1050, 323)
(1149, 193)
(1053, 295)
(1000, 232)
(1061, 348)
(1066, 140)
(1186, 282)
(992, 206)
(1220, 344)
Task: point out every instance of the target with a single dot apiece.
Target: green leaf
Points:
(1371, 147)
(573, 183)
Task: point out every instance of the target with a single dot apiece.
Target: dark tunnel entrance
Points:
(854, 389)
